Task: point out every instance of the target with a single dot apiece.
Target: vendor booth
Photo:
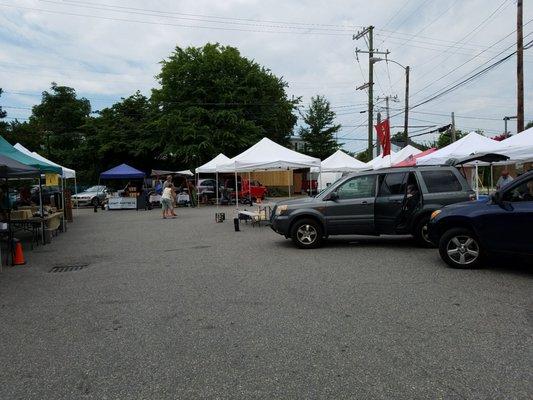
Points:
(335, 166)
(132, 198)
(210, 167)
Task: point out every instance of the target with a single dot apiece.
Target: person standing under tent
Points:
(504, 179)
(167, 202)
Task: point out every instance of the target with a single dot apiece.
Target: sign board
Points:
(122, 203)
(51, 179)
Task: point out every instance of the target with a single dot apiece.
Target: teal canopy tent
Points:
(8, 150)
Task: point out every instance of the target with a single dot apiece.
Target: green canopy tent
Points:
(8, 150)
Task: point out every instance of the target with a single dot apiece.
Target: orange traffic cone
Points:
(18, 254)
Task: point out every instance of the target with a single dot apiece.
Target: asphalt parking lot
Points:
(187, 309)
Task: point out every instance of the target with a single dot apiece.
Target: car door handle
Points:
(396, 201)
(364, 202)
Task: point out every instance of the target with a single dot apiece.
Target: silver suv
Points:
(388, 201)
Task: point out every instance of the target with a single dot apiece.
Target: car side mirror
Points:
(333, 196)
(496, 199)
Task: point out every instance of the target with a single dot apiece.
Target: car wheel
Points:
(421, 233)
(307, 234)
(460, 248)
(95, 202)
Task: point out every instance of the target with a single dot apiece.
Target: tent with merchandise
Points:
(133, 199)
(267, 155)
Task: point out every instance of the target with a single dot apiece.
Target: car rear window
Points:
(441, 181)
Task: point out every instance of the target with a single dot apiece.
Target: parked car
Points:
(208, 185)
(93, 196)
(387, 201)
(467, 233)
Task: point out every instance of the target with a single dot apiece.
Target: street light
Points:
(505, 119)
(406, 113)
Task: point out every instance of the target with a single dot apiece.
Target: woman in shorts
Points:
(167, 202)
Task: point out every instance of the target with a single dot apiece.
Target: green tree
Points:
(319, 134)
(445, 138)
(214, 100)
(58, 120)
(3, 125)
(529, 125)
(119, 134)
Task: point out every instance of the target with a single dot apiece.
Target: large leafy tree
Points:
(212, 99)
(58, 120)
(319, 134)
(3, 125)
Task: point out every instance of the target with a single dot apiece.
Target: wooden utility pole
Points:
(406, 103)
(452, 131)
(370, 84)
(519, 68)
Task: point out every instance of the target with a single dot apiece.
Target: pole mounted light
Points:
(374, 60)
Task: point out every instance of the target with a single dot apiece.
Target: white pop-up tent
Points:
(395, 157)
(67, 172)
(267, 155)
(467, 145)
(210, 167)
(333, 167)
(519, 147)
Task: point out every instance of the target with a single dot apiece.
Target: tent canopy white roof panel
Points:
(67, 172)
(518, 147)
(467, 145)
(342, 162)
(211, 166)
(268, 155)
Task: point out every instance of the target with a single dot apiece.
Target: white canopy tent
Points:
(395, 157)
(467, 145)
(267, 155)
(210, 167)
(333, 167)
(519, 147)
(67, 172)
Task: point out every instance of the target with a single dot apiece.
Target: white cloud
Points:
(107, 57)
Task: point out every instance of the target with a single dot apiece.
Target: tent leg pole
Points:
(491, 178)
(289, 182)
(76, 191)
(63, 204)
(250, 187)
(477, 183)
(42, 208)
(216, 189)
(236, 191)
(197, 191)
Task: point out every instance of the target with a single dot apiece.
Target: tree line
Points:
(210, 99)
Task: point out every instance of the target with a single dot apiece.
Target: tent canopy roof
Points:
(211, 166)
(467, 145)
(518, 147)
(10, 168)
(341, 162)
(122, 171)
(67, 172)
(17, 155)
(411, 160)
(268, 155)
(160, 172)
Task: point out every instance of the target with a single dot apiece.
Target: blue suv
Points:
(467, 232)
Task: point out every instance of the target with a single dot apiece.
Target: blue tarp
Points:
(122, 171)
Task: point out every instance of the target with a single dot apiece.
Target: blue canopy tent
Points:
(123, 171)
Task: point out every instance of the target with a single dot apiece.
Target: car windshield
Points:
(328, 188)
(95, 189)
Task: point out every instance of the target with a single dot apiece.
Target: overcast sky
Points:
(107, 49)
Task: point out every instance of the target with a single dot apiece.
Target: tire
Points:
(421, 233)
(460, 248)
(95, 202)
(307, 233)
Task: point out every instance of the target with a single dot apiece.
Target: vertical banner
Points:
(383, 130)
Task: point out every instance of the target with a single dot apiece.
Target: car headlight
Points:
(281, 209)
(435, 213)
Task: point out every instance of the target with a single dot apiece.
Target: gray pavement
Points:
(190, 309)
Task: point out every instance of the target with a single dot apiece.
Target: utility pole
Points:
(507, 118)
(370, 84)
(453, 127)
(378, 121)
(406, 112)
(519, 68)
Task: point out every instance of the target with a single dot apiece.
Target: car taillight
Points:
(472, 197)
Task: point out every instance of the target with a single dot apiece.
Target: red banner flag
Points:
(383, 130)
